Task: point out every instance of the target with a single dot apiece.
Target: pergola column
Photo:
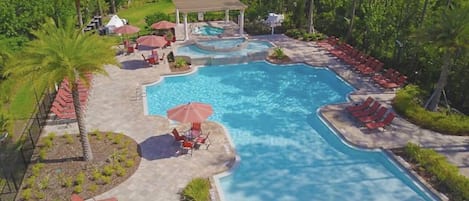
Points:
(177, 16)
(227, 16)
(186, 27)
(241, 22)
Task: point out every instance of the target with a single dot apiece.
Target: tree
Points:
(449, 34)
(352, 20)
(79, 16)
(310, 17)
(62, 51)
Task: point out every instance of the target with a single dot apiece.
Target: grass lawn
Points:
(137, 11)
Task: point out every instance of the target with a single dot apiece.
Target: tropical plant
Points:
(449, 35)
(180, 62)
(197, 190)
(62, 51)
(278, 53)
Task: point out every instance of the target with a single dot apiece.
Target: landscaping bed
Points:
(58, 169)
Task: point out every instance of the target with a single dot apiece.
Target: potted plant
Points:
(180, 62)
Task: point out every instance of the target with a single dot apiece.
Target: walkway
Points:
(116, 104)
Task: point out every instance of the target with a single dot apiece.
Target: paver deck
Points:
(116, 104)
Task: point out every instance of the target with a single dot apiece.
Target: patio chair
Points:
(360, 113)
(397, 82)
(361, 106)
(76, 197)
(177, 136)
(381, 124)
(188, 146)
(203, 140)
(384, 76)
(375, 116)
(130, 50)
(196, 129)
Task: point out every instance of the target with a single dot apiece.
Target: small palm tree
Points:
(450, 36)
(62, 51)
(278, 53)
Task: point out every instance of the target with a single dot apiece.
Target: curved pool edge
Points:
(193, 70)
(400, 164)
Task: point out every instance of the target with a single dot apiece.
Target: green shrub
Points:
(129, 163)
(197, 190)
(447, 176)
(108, 170)
(80, 179)
(95, 132)
(51, 136)
(30, 181)
(96, 175)
(42, 154)
(156, 17)
(44, 183)
(99, 136)
(106, 179)
(180, 62)
(67, 182)
(68, 138)
(110, 136)
(407, 103)
(120, 171)
(39, 195)
(26, 194)
(117, 139)
(93, 188)
(36, 169)
(78, 189)
(278, 53)
(295, 33)
(47, 143)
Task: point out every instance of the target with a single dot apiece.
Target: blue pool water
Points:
(223, 43)
(195, 52)
(208, 30)
(287, 153)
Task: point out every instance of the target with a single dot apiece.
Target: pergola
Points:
(192, 6)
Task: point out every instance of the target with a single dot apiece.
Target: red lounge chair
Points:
(361, 106)
(178, 137)
(381, 124)
(130, 50)
(61, 114)
(395, 84)
(384, 76)
(375, 116)
(203, 140)
(372, 69)
(76, 197)
(188, 145)
(368, 111)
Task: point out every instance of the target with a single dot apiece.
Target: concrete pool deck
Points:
(116, 103)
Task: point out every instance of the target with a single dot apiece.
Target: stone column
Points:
(227, 16)
(241, 22)
(177, 17)
(186, 27)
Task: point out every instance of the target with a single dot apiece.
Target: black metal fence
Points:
(16, 156)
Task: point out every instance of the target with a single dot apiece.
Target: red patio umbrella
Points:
(127, 29)
(163, 25)
(190, 112)
(152, 41)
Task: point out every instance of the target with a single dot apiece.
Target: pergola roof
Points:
(187, 6)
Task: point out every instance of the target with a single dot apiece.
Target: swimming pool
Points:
(286, 151)
(195, 52)
(208, 30)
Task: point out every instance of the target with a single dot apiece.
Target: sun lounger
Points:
(360, 113)
(395, 83)
(375, 116)
(381, 124)
(361, 106)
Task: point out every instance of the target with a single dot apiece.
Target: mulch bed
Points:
(55, 172)
(180, 69)
(274, 60)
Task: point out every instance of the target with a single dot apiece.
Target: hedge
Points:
(444, 176)
(196, 190)
(407, 104)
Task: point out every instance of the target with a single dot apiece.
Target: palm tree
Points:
(449, 35)
(79, 16)
(310, 17)
(62, 51)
